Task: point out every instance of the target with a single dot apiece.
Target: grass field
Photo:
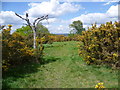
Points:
(63, 68)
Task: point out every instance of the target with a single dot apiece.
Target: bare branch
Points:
(33, 25)
(26, 15)
(38, 19)
(35, 21)
(20, 16)
(27, 20)
(25, 24)
(42, 18)
(47, 18)
(2, 26)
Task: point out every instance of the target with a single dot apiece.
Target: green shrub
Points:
(100, 44)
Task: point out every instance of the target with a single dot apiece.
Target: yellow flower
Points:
(102, 87)
(96, 86)
(83, 31)
(88, 56)
(88, 62)
(99, 85)
(109, 34)
(93, 45)
(80, 52)
(93, 58)
(42, 39)
(95, 37)
(22, 43)
(9, 25)
(89, 47)
(115, 55)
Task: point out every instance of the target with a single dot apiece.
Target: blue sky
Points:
(63, 13)
(90, 7)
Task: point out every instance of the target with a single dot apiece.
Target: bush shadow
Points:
(19, 71)
(22, 71)
(49, 60)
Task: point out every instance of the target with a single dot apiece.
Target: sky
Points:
(61, 13)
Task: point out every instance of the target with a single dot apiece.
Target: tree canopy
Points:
(77, 27)
(26, 30)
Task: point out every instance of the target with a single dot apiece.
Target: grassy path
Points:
(63, 69)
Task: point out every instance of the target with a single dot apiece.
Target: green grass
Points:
(63, 68)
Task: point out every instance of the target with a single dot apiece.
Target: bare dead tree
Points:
(33, 25)
(2, 26)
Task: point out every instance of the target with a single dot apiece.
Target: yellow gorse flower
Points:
(96, 86)
(93, 58)
(95, 37)
(99, 85)
(9, 25)
(109, 34)
(42, 39)
(88, 56)
(88, 62)
(115, 55)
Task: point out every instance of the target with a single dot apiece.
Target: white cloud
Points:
(53, 7)
(58, 0)
(58, 29)
(113, 11)
(9, 17)
(110, 1)
(99, 18)
(90, 18)
(50, 20)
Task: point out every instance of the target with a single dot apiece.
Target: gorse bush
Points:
(62, 38)
(100, 44)
(58, 38)
(75, 37)
(15, 50)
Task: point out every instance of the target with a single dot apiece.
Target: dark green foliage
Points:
(42, 31)
(77, 27)
(24, 30)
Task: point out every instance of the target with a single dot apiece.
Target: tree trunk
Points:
(34, 39)
(34, 43)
